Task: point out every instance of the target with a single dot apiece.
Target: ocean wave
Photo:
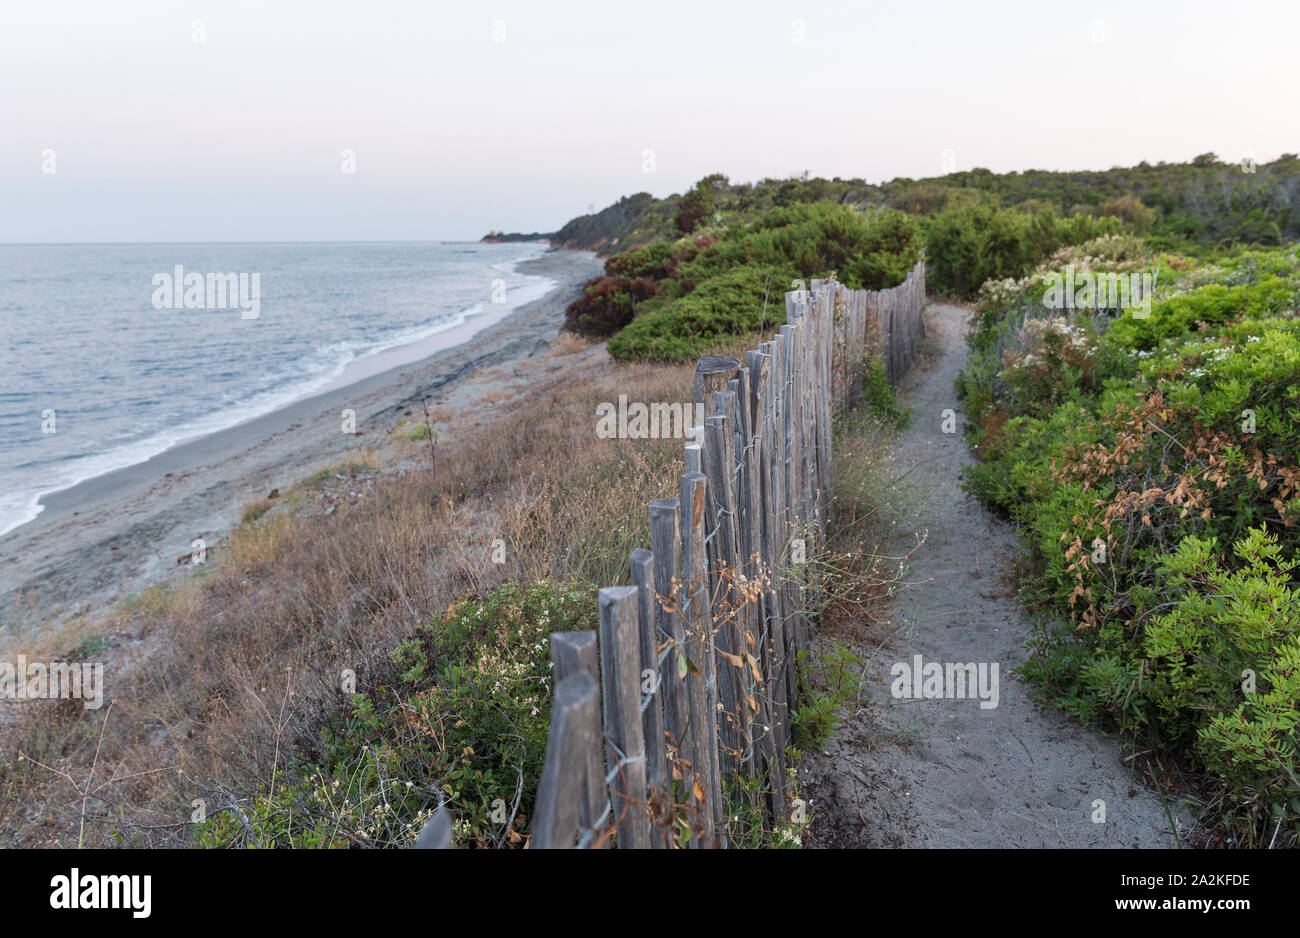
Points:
(299, 379)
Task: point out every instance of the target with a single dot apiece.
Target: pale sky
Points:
(240, 136)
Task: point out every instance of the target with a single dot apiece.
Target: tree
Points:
(697, 204)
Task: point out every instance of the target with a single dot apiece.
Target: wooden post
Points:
(666, 544)
(436, 834)
(573, 735)
(769, 761)
(837, 306)
(621, 690)
(895, 335)
(719, 463)
(882, 329)
(695, 454)
(652, 702)
(859, 344)
(572, 652)
(699, 635)
(713, 373)
(774, 540)
(794, 493)
(749, 458)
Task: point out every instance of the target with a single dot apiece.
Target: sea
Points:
(112, 353)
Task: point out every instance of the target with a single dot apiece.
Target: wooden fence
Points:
(696, 676)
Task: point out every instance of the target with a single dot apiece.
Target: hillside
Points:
(1197, 202)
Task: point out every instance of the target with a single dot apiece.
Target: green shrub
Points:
(737, 285)
(462, 718)
(610, 302)
(1212, 305)
(827, 692)
(1128, 450)
(742, 300)
(967, 244)
(698, 204)
(880, 397)
(865, 251)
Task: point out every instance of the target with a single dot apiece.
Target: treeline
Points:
(1206, 200)
(974, 226)
(1203, 201)
(502, 237)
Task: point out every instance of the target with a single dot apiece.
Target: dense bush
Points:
(1212, 305)
(1002, 370)
(1152, 466)
(606, 305)
(1205, 201)
(698, 204)
(969, 244)
(742, 300)
(609, 303)
(737, 284)
(1129, 210)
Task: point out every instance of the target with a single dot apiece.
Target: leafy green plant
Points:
(970, 243)
(460, 719)
(880, 397)
(736, 284)
(1129, 450)
(822, 700)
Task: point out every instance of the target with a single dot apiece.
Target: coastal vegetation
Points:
(1206, 201)
(670, 300)
(1148, 453)
(1151, 464)
(353, 657)
(503, 237)
(683, 270)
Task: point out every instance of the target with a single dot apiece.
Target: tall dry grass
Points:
(219, 680)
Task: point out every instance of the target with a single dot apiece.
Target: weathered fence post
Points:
(721, 550)
(703, 682)
(713, 373)
(572, 652)
(574, 734)
(769, 758)
(652, 701)
(620, 652)
(748, 457)
(778, 533)
(666, 545)
(794, 543)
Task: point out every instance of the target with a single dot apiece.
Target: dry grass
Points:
(220, 678)
(566, 343)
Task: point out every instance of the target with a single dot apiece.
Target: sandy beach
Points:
(113, 535)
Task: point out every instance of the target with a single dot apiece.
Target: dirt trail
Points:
(946, 773)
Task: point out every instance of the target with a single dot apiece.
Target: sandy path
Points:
(946, 773)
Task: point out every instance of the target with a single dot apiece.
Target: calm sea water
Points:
(83, 337)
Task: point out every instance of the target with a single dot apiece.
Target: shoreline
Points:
(442, 333)
(121, 531)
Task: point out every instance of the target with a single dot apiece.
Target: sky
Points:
(237, 120)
